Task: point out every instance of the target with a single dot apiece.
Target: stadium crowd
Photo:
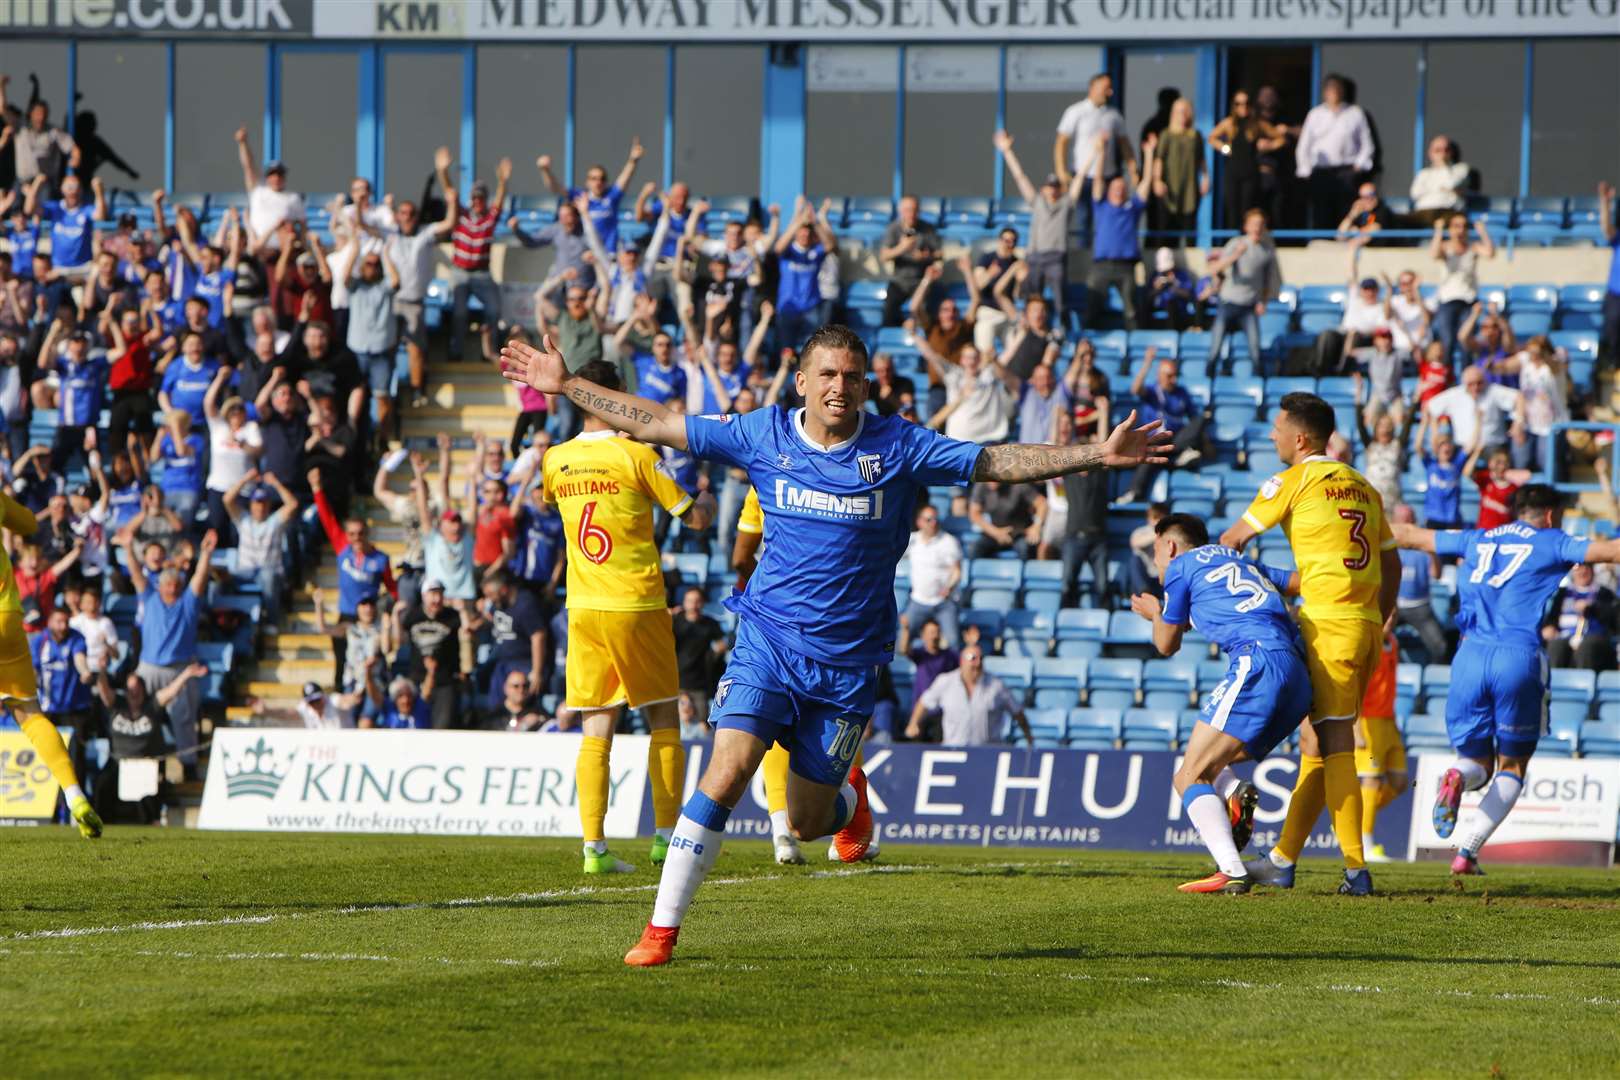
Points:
(203, 402)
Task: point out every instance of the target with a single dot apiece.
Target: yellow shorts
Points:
(1342, 655)
(1384, 752)
(619, 658)
(17, 682)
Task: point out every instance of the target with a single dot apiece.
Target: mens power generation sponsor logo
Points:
(159, 18)
(803, 500)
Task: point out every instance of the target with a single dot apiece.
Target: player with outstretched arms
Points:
(838, 486)
(1264, 695)
(1349, 577)
(1497, 702)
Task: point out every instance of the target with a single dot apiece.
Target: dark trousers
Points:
(66, 444)
(986, 547)
(1226, 316)
(1448, 320)
(1242, 195)
(895, 301)
(1079, 549)
(533, 420)
(1048, 270)
(1332, 190)
(1084, 215)
(1594, 653)
(1422, 619)
(131, 411)
(1111, 273)
(1188, 438)
(1609, 336)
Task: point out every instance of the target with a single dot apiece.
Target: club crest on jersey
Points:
(871, 466)
(1271, 487)
(784, 462)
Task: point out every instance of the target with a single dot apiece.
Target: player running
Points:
(19, 689)
(1349, 577)
(774, 769)
(1380, 754)
(838, 486)
(1498, 697)
(621, 643)
(1264, 696)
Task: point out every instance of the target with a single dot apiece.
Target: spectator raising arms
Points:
(1459, 289)
(1052, 212)
(1250, 277)
(1114, 249)
(802, 248)
(1088, 130)
(269, 202)
(170, 610)
(472, 235)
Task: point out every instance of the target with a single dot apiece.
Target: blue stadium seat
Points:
(1530, 323)
(1565, 718)
(1608, 687)
(869, 209)
(1557, 745)
(973, 210)
(1043, 575)
(1149, 723)
(1012, 210)
(1081, 624)
(1114, 674)
(1093, 724)
(1128, 628)
(1048, 725)
(988, 622)
(1018, 672)
(1602, 736)
(1436, 682)
(1547, 211)
(1538, 298)
(1578, 344)
(866, 293)
(1210, 674)
(1427, 731)
(1279, 385)
(1058, 672)
(996, 599)
(1078, 649)
(999, 573)
(1176, 674)
(1580, 307)
(693, 568)
(1028, 625)
(1312, 323)
(1322, 298)
(1573, 685)
(1113, 701)
(1164, 699)
(835, 213)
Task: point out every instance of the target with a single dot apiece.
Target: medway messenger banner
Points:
(1565, 816)
(1011, 796)
(959, 21)
(447, 783)
(27, 789)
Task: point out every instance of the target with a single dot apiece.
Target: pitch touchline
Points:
(460, 902)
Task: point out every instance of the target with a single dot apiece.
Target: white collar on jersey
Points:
(1322, 457)
(798, 426)
(605, 433)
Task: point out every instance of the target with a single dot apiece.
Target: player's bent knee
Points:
(1398, 782)
(663, 714)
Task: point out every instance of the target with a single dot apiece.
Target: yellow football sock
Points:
(775, 768)
(666, 771)
(860, 757)
(1371, 802)
(49, 746)
(1304, 807)
(1343, 790)
(591, 778)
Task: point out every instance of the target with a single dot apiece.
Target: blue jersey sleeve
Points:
(726, 439)
(1572, 549)
(1177, 596)
(1277, 576)
(934, 459)
(1452, 542)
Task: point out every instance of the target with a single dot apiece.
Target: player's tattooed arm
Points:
(544, 370)
(1127, 446)
(593, 401)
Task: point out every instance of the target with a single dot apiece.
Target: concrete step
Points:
(293, 673)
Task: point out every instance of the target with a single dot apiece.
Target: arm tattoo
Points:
(607, 408)
(1021, 463)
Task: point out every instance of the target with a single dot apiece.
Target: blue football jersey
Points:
(839, 521)
(1233, 602)
(1507, 575)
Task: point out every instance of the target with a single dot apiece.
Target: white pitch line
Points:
(422, 905)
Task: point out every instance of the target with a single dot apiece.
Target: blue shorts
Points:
(1265, 695)
(817, 711)
(379, 369)
(1498, 700)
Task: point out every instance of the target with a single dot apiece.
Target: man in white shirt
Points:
(973, 707)
(328, 712)
(269, 203)
(414, 252)
(1076, 145)
(1480, 414)
(1406, 312)
(935, 559)
(1335, 148)
(978, 404)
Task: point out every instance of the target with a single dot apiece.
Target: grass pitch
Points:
(187, 953)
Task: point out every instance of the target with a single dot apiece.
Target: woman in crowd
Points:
(1459, 289)
(1242, 137)
(1179, 178)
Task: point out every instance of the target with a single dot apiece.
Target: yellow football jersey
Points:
(1334, 520)
(20, 520)
(752, 518)
(605, 486)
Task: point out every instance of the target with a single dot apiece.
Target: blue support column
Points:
(1525, 140)
(270, 145)
(782, 129)
(1316, 72)
(1420, 138)
(1207, 114)
(368, 139)
(567, 176)
(168, 117)
(72, 86)
(1000, 180)
(899, 184)
(669, 117)
(469, 116)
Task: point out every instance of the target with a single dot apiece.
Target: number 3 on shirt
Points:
(595, 542)
(1358, 537)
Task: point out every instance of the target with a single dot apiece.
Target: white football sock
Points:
(1207, 811)
(844, 807)
(779, 825)
(1226, 783)
(692, 850)
(1473, 773)
(1279, 860)
(1493, 810)
(72, 792)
